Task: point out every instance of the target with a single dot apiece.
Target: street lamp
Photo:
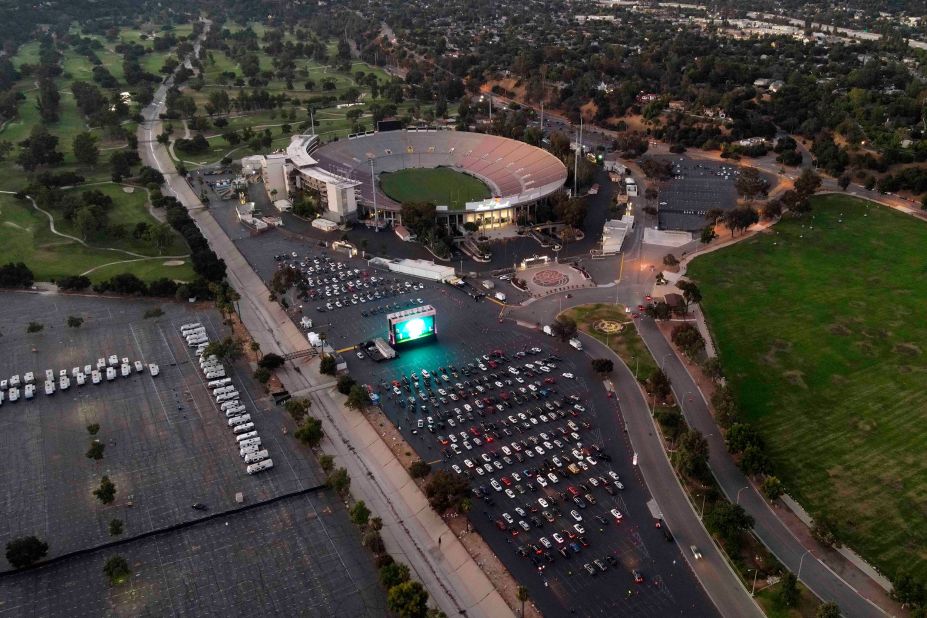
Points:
(738, 493)
(753, 589)
(663, 360)
(800, 562)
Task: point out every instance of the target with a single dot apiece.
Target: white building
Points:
(286, 172)
(614, 233)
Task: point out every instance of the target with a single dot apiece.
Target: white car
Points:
(510, 493)
(614, 475)
(543, 502)
(508, 518)
(575, 515)
(95, 377)
(553, 477)
(593, 481)
(457, 469)
(139, 367)
(541, 481)
(545, 542)
(81, 379)
(480, 471)
(506, 450)
(495, 485)
(579, 529)
(558, 537)
(616, 514)
(153, 369)
(567, 375)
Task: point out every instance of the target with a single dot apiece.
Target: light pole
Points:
(701, 511)
(738, 493)
(800, 562)
(753, 589)
(663, 360)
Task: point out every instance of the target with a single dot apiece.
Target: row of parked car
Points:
(256, 457)
(14, 388)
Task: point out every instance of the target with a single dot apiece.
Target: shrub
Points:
(75, 321)
(419, 469)
(262, 375)
(271, 361)
(345, 382)
(25, 551)
(75, 283)
(394, 574)
(115, 527)
(360, 514)
(157, 312)
(328, 365)
(310, 431)
(34, 327)
(96, 450)
(117, 570)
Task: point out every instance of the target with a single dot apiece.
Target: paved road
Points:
(774, 534)
(411, 528)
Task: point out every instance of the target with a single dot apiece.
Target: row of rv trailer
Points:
(10, 388)
(249, 443)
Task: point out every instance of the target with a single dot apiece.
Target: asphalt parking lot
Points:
(166, 443)
(696, 188)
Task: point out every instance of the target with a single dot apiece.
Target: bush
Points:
(340, 481)
(297, 408)
(115, 527)
(74, 284)
(373, 541)
(328, 365)
(382, 560)
(345, 383)
(360, 514)
(106, 492)
(419, 469)
(15, 275)
(93, 428)
(96, 450)
(327, 463)
(394, 574)
(25, 551)
(262, 375)
(34, 327)
(310, 431)
(271, 361)
(157, 312)
(117, 570)
(408, 600)
(772, 487)
(75, 321)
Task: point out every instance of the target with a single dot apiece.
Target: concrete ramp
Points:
(665, 238)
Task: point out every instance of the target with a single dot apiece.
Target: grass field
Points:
(25, 236)
(627, 344)
(440, 186)
(821, 330)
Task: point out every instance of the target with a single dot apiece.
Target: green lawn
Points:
(627, 344)
(25, 236)
(821, 330)
(441, 186)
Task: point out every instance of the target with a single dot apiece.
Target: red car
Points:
(573, 490)
(549, 380)
(506, 481)
(638, 578)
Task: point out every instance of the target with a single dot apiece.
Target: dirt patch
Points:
(778, 346)
(865, 348)
(839, 329)
(128, 189)
(173, 263)
(865, 425)
(795, 377)
(907, 349)
(839, 379)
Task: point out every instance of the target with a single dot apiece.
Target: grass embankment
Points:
(821, 331)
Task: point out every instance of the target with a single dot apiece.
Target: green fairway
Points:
(439, 186)
(821, 330)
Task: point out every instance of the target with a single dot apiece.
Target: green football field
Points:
(439, 186)
(822, 330)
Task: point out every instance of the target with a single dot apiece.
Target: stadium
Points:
(489, 180)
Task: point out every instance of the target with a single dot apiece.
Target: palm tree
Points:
(522, 595)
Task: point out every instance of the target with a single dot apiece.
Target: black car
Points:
(199, 506)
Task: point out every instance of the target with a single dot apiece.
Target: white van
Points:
(226, 397)
(228, 405)
(548, 330)
(238, 420)
(246, 450)
(221, 390)
(64, 383)
(75, 371)
(243, 428)
(267, 464)
(246, 436)
(211, 366)
(234, 411)
(220, 382)
(255, 441)
(153, 369)
(212, 375)
(190, 325)
(196, 341)
(576, 343)
(256, 457)
(209, 359)
(110, 374)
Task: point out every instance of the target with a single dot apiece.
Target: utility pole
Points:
(542, 117)
(312, 119)
(373, 187)
(490, 108)
(575, 167)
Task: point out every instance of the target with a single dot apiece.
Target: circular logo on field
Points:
(609, 327)
(550, 278)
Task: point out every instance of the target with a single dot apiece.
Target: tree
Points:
(750, 183)
(602, 365)
(358, 398)
(89, 220)
(692, 453)
(419, 469)
(39, 149)
(117, 570)
(360, 513)
(327, 463)
(106, 492)
(262, 375)
(408, 600)
(728, 521)
(25, 551)
(690, 293)
(908, 590)
(823, 530)
(297, 407)
(740, 218)
(708, 234)
(75, 321)
(93, 429)
(772, 487)
(564, 327)
(269, 361)
(446, 491)
(161, 235)
(115, 527)
(659, 384)
(788, 590)
(328, 365)
(394, 574)
(85, 148)
(15, 275)
(522, 595)
(340, 481)
(373, 541)
(34, 327)
(688, 339)
(807, 183)
(670, 260)
(754, 460)
(844, 182)
(310, 431)
(228, 349)
(827, 610)
(739, 436)
(345, 382)
(96, 450)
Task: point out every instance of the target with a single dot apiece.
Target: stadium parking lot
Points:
(694, 189)
(167, 446)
